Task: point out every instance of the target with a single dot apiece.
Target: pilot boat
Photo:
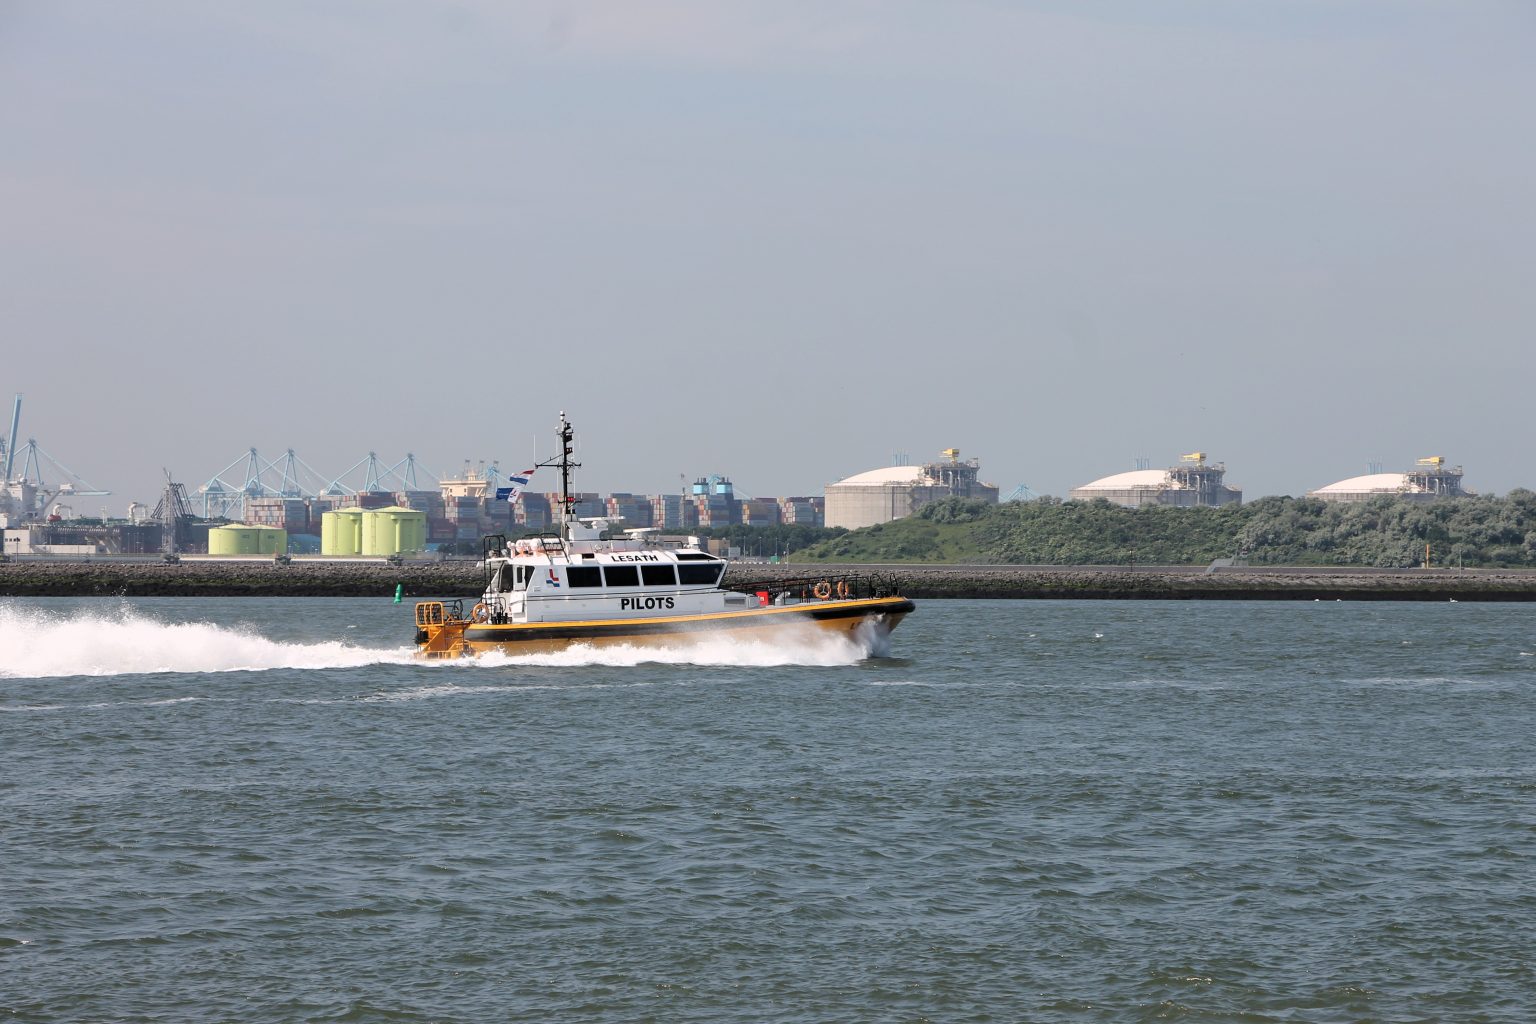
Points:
(582, 584)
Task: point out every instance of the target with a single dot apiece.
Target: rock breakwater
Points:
(104, 578)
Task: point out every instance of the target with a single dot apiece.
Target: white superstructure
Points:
(584, 576)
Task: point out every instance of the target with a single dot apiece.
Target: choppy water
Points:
(262, 810)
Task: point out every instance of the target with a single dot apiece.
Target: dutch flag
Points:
(509, 494)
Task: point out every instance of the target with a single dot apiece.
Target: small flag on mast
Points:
(518, 482)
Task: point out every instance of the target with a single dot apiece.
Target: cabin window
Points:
(695, 574)
(584, 576)
(658, 576)
(621, 575)
(694, 556)
(504, 578)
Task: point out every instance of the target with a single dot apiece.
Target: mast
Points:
(563, 460)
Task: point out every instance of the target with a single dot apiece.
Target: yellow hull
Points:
(453, 638)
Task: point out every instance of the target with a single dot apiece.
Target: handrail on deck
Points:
(436, 613)
(847, 585)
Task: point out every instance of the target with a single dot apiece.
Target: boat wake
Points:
(41, 644)
(810, 647)
(45, 644)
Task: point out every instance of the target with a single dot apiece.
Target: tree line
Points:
(1387, 531)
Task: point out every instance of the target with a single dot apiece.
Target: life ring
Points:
(822, 590)
(843, 590)
(480, 613)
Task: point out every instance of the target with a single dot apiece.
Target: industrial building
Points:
(882, 495)
(1192, 483)
(1429, 480)
(75, 539)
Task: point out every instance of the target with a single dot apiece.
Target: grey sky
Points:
(779, 240)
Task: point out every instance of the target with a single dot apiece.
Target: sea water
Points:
(266, 810)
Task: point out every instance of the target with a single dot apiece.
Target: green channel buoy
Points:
(398, 586)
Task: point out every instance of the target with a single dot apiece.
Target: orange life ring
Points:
(480, 613)
(822, 590)
(843, 590)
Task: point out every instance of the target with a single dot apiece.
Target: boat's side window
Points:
(522, 572)
(584, 576)
(621, 575)
(658, 575)
(504, 578)
(696, 574)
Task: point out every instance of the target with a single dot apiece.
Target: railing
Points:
(436, 613)
(545, 542)
(554, 544)
(821, 587)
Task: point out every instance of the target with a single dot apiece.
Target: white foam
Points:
(808, 646)
(41, 644)
(423, 693)
(104, 705)
(1438, 682)
(452, 690)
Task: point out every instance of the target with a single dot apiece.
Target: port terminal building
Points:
(1193, 483)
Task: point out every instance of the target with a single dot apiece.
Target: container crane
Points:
(34, 457)
(10, 440)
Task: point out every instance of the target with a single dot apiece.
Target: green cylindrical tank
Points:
(327, 532)
(394, 531)
(232, 540)
(341, 532)
(412, 537)
(247, 540)
(271, 540)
